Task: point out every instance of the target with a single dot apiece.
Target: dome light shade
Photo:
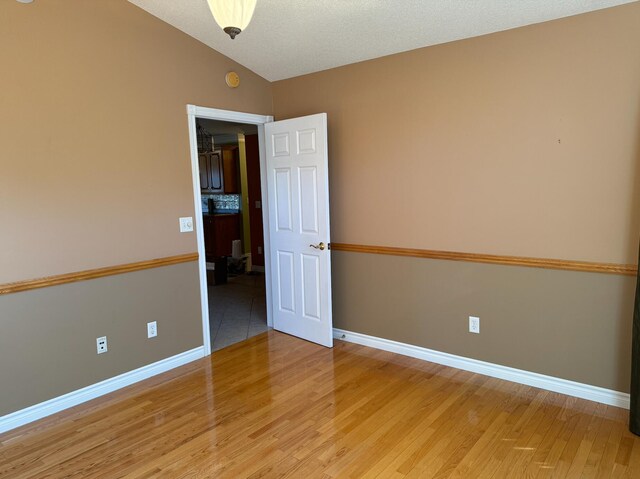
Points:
(233, 16)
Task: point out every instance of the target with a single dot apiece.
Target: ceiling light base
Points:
(232, 31)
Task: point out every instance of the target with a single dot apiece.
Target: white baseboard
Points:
(60, 403)
(550, 383)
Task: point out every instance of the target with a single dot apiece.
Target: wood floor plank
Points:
(276, 406)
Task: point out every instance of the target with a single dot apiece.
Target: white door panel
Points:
(298, 189)
(286, 281)
(307, 179)
(283, 202)
(311, 287)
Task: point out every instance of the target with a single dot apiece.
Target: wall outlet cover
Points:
(152, 329)
(101, 344)
(474, 324)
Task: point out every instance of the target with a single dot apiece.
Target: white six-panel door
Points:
(298, 189)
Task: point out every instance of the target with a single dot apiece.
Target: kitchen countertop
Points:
(220, 213)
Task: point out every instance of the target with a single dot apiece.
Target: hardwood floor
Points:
(276, 406)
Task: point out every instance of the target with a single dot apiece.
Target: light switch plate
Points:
(186, 224)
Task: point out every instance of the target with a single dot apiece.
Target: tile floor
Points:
(237, 310)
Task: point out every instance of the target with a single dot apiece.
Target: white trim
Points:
(202, 260)
(228, 115)
(52, 406)
(194, 111)
(550, 383)
(266, 247)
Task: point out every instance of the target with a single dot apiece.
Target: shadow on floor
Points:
(237, 310)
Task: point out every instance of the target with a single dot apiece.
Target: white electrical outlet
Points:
(259, 249)
(186, 224)
(101, 344)
(152, 329)
(474, 324)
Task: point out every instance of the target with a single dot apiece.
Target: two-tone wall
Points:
(95, 171)
(524, 143)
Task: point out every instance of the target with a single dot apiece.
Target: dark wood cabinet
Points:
(209, 237)
(211, 172)
(227, 229)
(219, 171)
(219, 233)
(230, 167)
(203, 166)
(217, 181)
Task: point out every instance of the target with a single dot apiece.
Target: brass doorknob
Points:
(319, 246)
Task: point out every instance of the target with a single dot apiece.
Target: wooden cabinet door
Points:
(211, 175)
(227, 229)
(204, 164)
(216, 182)
(209, 234)
(230, 168)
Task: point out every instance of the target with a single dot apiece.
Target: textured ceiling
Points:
(287, 38)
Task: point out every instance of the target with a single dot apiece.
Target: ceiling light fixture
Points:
(233, 16)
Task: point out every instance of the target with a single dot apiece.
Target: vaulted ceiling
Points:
(288, 38)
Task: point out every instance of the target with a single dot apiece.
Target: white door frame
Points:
(194, 112)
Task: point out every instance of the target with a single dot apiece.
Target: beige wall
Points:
(48, 340)
(565, 324)
(95, 170)
(94, 154)
(524, 142)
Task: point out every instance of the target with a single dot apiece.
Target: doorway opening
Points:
(230, 192)
(232, 264)
(294, 203)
